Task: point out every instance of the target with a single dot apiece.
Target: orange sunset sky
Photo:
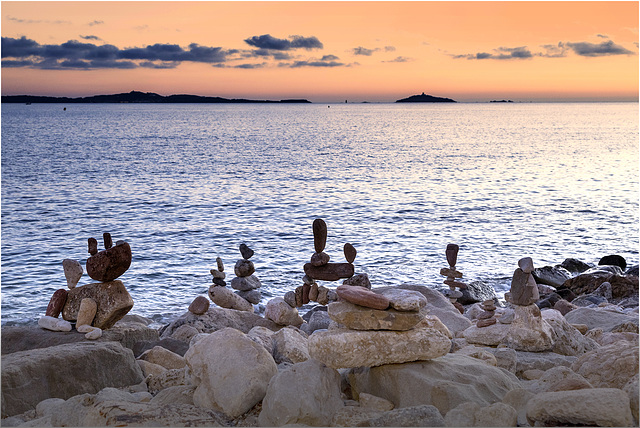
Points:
(324, 51)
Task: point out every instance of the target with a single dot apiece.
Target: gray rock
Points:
(306, 393)
(568, 340)
(404, 300)
(554, 276)
(604, 290)
(281, 313)
(62, 371)
(541, 361)
(290, 298)
(246, 283)
(524, 290)
(289, 346)
(359, 280)
(477, 291)
(574, 266)
(251, 296)
(417, 416)
(633, 270)
(244, 268)
(599, 318)
(319, 320)
(227, 299)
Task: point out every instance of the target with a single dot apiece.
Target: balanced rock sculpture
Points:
(110, 263)
(245, 282)
(452, 275)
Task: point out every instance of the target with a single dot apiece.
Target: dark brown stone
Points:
(459, 307)
(621, 285)
(320, 259)
(313, 292)
(450, 273)
(349, 252)
(319, 234)
(486, 315)
(246, 251)
(486, 323)
(363, 297)
(106, 238)
(298, 296)
(56, 303)
(306, 288)
(112, 298)
(93, 246)
(220, 264)
(109, 264)
(199, 306)
(452, 283)
(330, 271)
(452, 254)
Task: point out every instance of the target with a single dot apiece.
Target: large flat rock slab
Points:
(62, 371)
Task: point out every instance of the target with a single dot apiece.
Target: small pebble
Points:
(313, 292)
(219, 281)
(308, 280)
(349, 252)
(220, 264)
(320, 259)
(290, 298)
(93, 246)
(108, 243)
(54, 324)
(244, 268)
(199, 306)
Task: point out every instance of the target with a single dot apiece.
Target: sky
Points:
(324, 51)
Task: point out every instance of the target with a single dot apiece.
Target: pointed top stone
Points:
(526, 264)
(93, 246)
(319, 234)
(108, 243)
(245, 251)
(452, 254)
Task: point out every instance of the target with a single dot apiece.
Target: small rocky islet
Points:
(560, 350)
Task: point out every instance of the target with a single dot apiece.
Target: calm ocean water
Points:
(184, 184)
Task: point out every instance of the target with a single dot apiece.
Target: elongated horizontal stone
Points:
(330, 271)
(245, 283)
(342, 348)
(452, 283)
(360, 318)
(451, 273)
(112, 299)
(109, 264)
(225, 298)
(404, 300)
(363, 297)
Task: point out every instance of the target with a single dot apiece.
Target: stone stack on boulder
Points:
(245, 282)
(452, 275)
(93, 307)
(488, 316)
(375, 329)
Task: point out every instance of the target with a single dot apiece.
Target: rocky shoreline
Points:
(562, 350)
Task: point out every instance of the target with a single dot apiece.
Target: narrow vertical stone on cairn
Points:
(220, 264)
(93, 246)
(108, 243)
(451, 273)
(56, 303)
(306, 288)
(319, 235)
(350, 252)
(299, 296)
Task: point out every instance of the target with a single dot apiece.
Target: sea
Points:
(186, 183)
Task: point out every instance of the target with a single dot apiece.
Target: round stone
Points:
(245, 251)
(244, 268)
(349, 252)
(199, 306)
(320, 259)
(319, 234)
(290, 298)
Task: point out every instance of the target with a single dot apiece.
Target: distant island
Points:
(135, 97)
(501, 101)
(425, 99)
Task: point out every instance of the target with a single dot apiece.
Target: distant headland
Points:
(136, 97)
(425, 99)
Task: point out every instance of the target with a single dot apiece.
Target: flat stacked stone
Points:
(452, 277)
(487, 317)
(245, 282)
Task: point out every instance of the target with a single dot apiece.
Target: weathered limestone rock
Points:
(58, 299)
(289, 346)
(72, 271)
(245, 283)
(404, 300)
(262, 336)
(568, 340)
(112, 299)
(166, 379)
(529, 331)
(62, 371)
(199, 306)
(597, 406)
(349, 348)
(150, 368)
(330, 271)
(541, 361)
(375, 403)
(462, 415)
(610, 366)
(109, 264)
(163, 357)
(443, 382)
(87, 312)
(281, 313)
(357, 317)
(632, 389)
(224, 297)
(437, 305)
(559, 378)
(230, 370)
(599, 318)
(349, 252)
(496, 415)
(243, 268)
(306, 393)
(363, 297)
(424, 416)
(491, 335)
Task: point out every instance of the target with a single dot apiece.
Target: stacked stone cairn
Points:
(487, 317)
(94, 307)
(246, 284)
(452, 275)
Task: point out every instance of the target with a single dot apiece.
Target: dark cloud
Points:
(36, 21)
(250, 66)
(364, 51)
(501, 53)
(329, 58)
(275, 54)
(90, 37)
(91, 24)
(400, 59)
(602, 36)
(298, 64)
(74, 54)
(598, 49)
(267, 41)
(553, 51)
(389, 48)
